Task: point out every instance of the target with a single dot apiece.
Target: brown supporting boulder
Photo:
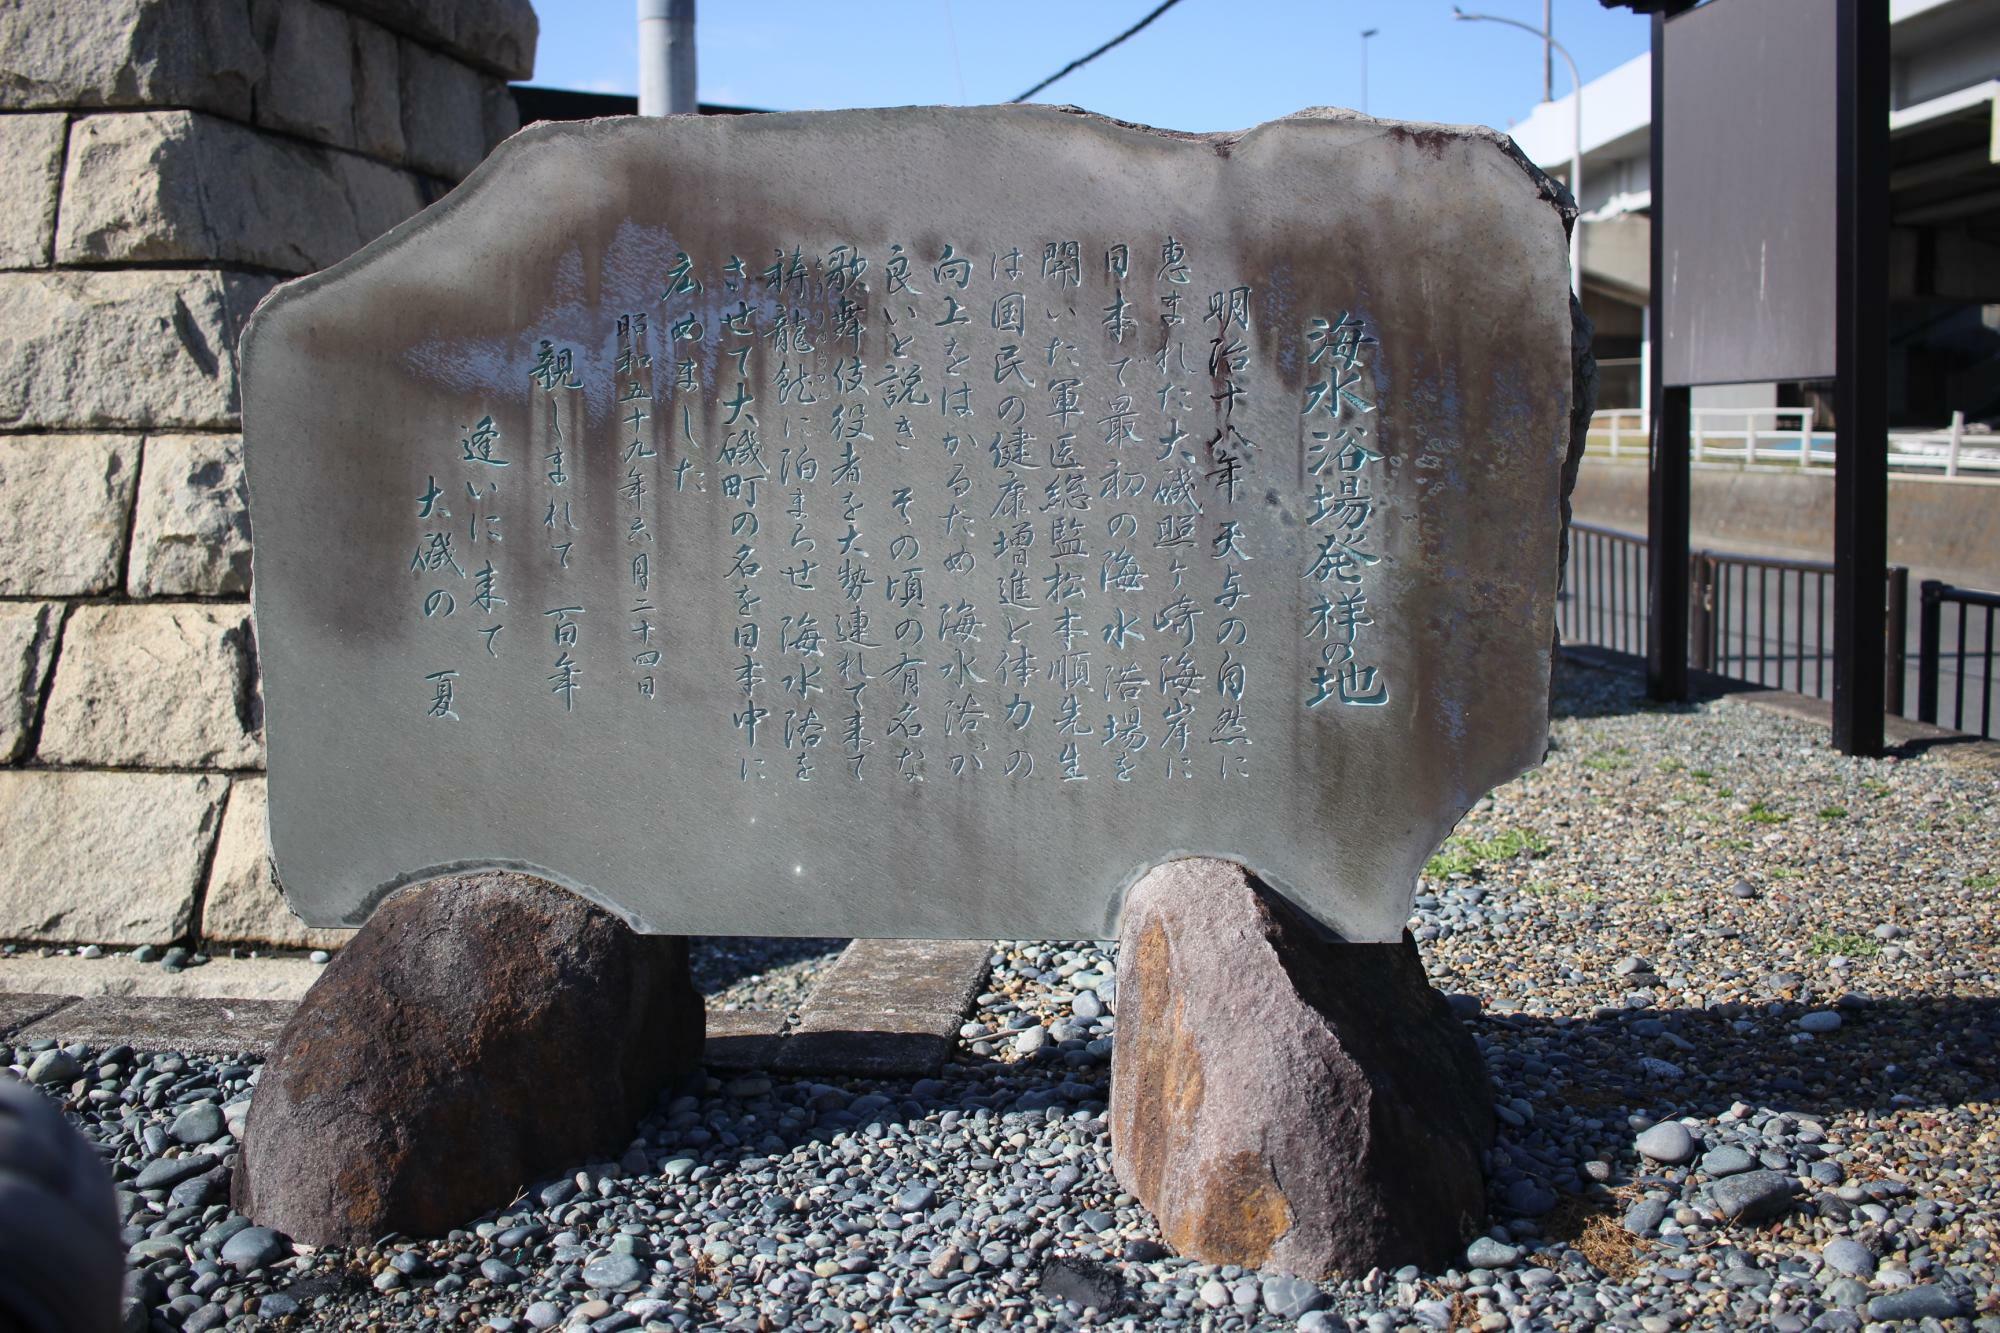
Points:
(1284, 1100)
(477, 1033)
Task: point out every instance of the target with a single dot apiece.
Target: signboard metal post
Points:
(1667, 489)
(1861, 423)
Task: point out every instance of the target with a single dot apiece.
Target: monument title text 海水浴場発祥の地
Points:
(914, 522)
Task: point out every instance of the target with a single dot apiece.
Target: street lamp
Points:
(1576, 134)
(1366, 33)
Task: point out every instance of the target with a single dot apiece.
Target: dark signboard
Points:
(1748, 244)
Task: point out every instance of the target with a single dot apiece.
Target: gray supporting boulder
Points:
(1283, 1100)
(477, 1033)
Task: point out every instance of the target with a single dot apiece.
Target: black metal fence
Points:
(1603, 596)
(1769, 621)
(1969, 668)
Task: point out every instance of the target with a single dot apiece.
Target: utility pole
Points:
(1575, 130)
(666, 57)
(1548, 53)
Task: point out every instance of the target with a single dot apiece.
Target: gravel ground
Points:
(1737, 994)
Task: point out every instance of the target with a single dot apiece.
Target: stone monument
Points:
(916, 522)
(929, 522)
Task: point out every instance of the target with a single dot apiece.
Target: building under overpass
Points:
(1944, 282)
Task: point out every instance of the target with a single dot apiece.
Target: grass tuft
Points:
(1827, 943)
(1469, 856)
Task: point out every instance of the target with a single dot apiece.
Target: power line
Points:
(957, 69)
(1080, 62)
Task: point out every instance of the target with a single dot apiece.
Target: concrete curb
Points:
(1906, 739)
(18, 1009)
(218, 979)
(207, 1027)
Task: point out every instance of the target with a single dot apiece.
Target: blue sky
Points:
(1203, 65)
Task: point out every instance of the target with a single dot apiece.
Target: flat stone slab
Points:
(905, 985)
(915, 522)
(864, 1051)
(219, 1027)
(18, 1010)
(886, 1009)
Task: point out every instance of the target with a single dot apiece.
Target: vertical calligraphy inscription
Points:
(454, 560)
(847, 435)
(741, 473)
(793, 286)
(984, 517)
(555, 399)
(637, 412)
(1339, 410)
(902, 390)
(956, 528)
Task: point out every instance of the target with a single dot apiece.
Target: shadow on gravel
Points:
(846, 1103)
(1929, 1052)
(1584, 1082)
(1912, 1052)
(1584, 1076)
(720, 961)
(1974, 751)
(1595, 682)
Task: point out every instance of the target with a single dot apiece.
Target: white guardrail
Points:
(1784, 436)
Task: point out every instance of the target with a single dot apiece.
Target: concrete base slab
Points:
(219, 979)
(907, 977)
(176, 1023)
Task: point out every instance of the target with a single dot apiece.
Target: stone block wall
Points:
(163, 165)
